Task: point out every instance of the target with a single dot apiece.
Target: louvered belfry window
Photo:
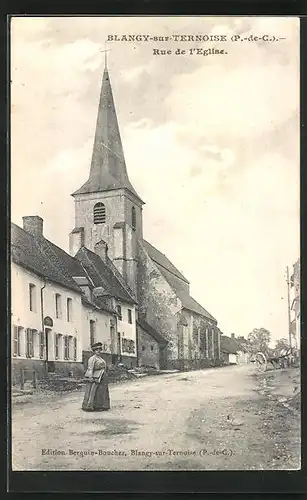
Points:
(99, 213)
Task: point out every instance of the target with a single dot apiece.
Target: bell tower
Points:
(107, 207)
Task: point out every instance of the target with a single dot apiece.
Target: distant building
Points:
(234, 351)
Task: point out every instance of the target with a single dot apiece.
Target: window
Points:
(57, 339)
(130, 316)
(70, 347)
(41, 345)
(29, 343)
(133, 218)
(75, 349)
(128, 345)
(58, 305)
(66, 347)
(16, 341)
(92, 332)
(119, 312)
(151, 347)
(143, 348)
(99, 213)
(69, 309)
(32, 297)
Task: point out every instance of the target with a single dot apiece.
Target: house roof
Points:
(151, 331)
(102, 275)
(36, 254)
(230, 345)
(161, 259)
(99, 303)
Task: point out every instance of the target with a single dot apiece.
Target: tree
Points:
(281, 344)
(259, 340)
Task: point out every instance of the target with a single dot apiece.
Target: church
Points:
(112, 268)
(108, 209)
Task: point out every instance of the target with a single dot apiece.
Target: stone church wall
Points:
(158, 303)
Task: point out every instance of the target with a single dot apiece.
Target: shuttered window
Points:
(66, 347)
(75, 349)
(29, 343)
(57, 338)
(41, 345)
(99, 213)
(16, 341)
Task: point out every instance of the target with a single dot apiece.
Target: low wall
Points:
(62, 368)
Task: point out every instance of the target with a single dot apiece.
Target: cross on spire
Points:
(105, 50)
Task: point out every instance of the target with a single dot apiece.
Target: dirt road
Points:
(212, 419)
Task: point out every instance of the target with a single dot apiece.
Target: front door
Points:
(49, 350)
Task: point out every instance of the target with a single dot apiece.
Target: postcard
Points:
(155, 243)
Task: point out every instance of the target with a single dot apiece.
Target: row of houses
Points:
(61, 305)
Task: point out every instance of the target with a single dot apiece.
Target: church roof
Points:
(102, 275)
(192, 305)
(175, 279)
(37, 256)
(161, 259)
(108, 167)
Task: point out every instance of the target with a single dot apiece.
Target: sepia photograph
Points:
(155, 243)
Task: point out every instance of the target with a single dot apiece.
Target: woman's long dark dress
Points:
(96, 396)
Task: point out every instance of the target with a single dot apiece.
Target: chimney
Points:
(76, 240)
(33, 224)
(232, 335)
(101, 249)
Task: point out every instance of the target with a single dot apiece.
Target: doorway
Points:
(162, 357)
(49, 350)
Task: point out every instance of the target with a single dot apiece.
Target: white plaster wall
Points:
(126, 329)
(23, 317)
(233, 358)
(102, 328)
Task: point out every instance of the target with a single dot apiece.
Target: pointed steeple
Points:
(108, 167)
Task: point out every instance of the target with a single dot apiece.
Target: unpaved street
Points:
(210, 419)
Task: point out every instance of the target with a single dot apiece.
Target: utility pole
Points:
(289, 313)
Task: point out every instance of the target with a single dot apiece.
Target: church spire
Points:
(108, 167)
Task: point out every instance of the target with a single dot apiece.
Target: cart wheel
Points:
(261, 362)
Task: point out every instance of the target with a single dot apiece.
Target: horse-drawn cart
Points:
(285, 359)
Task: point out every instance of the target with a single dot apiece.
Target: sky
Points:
(211, 145)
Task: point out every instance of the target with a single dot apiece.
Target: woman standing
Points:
(96, 397)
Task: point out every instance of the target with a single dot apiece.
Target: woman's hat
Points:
(96, 345)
